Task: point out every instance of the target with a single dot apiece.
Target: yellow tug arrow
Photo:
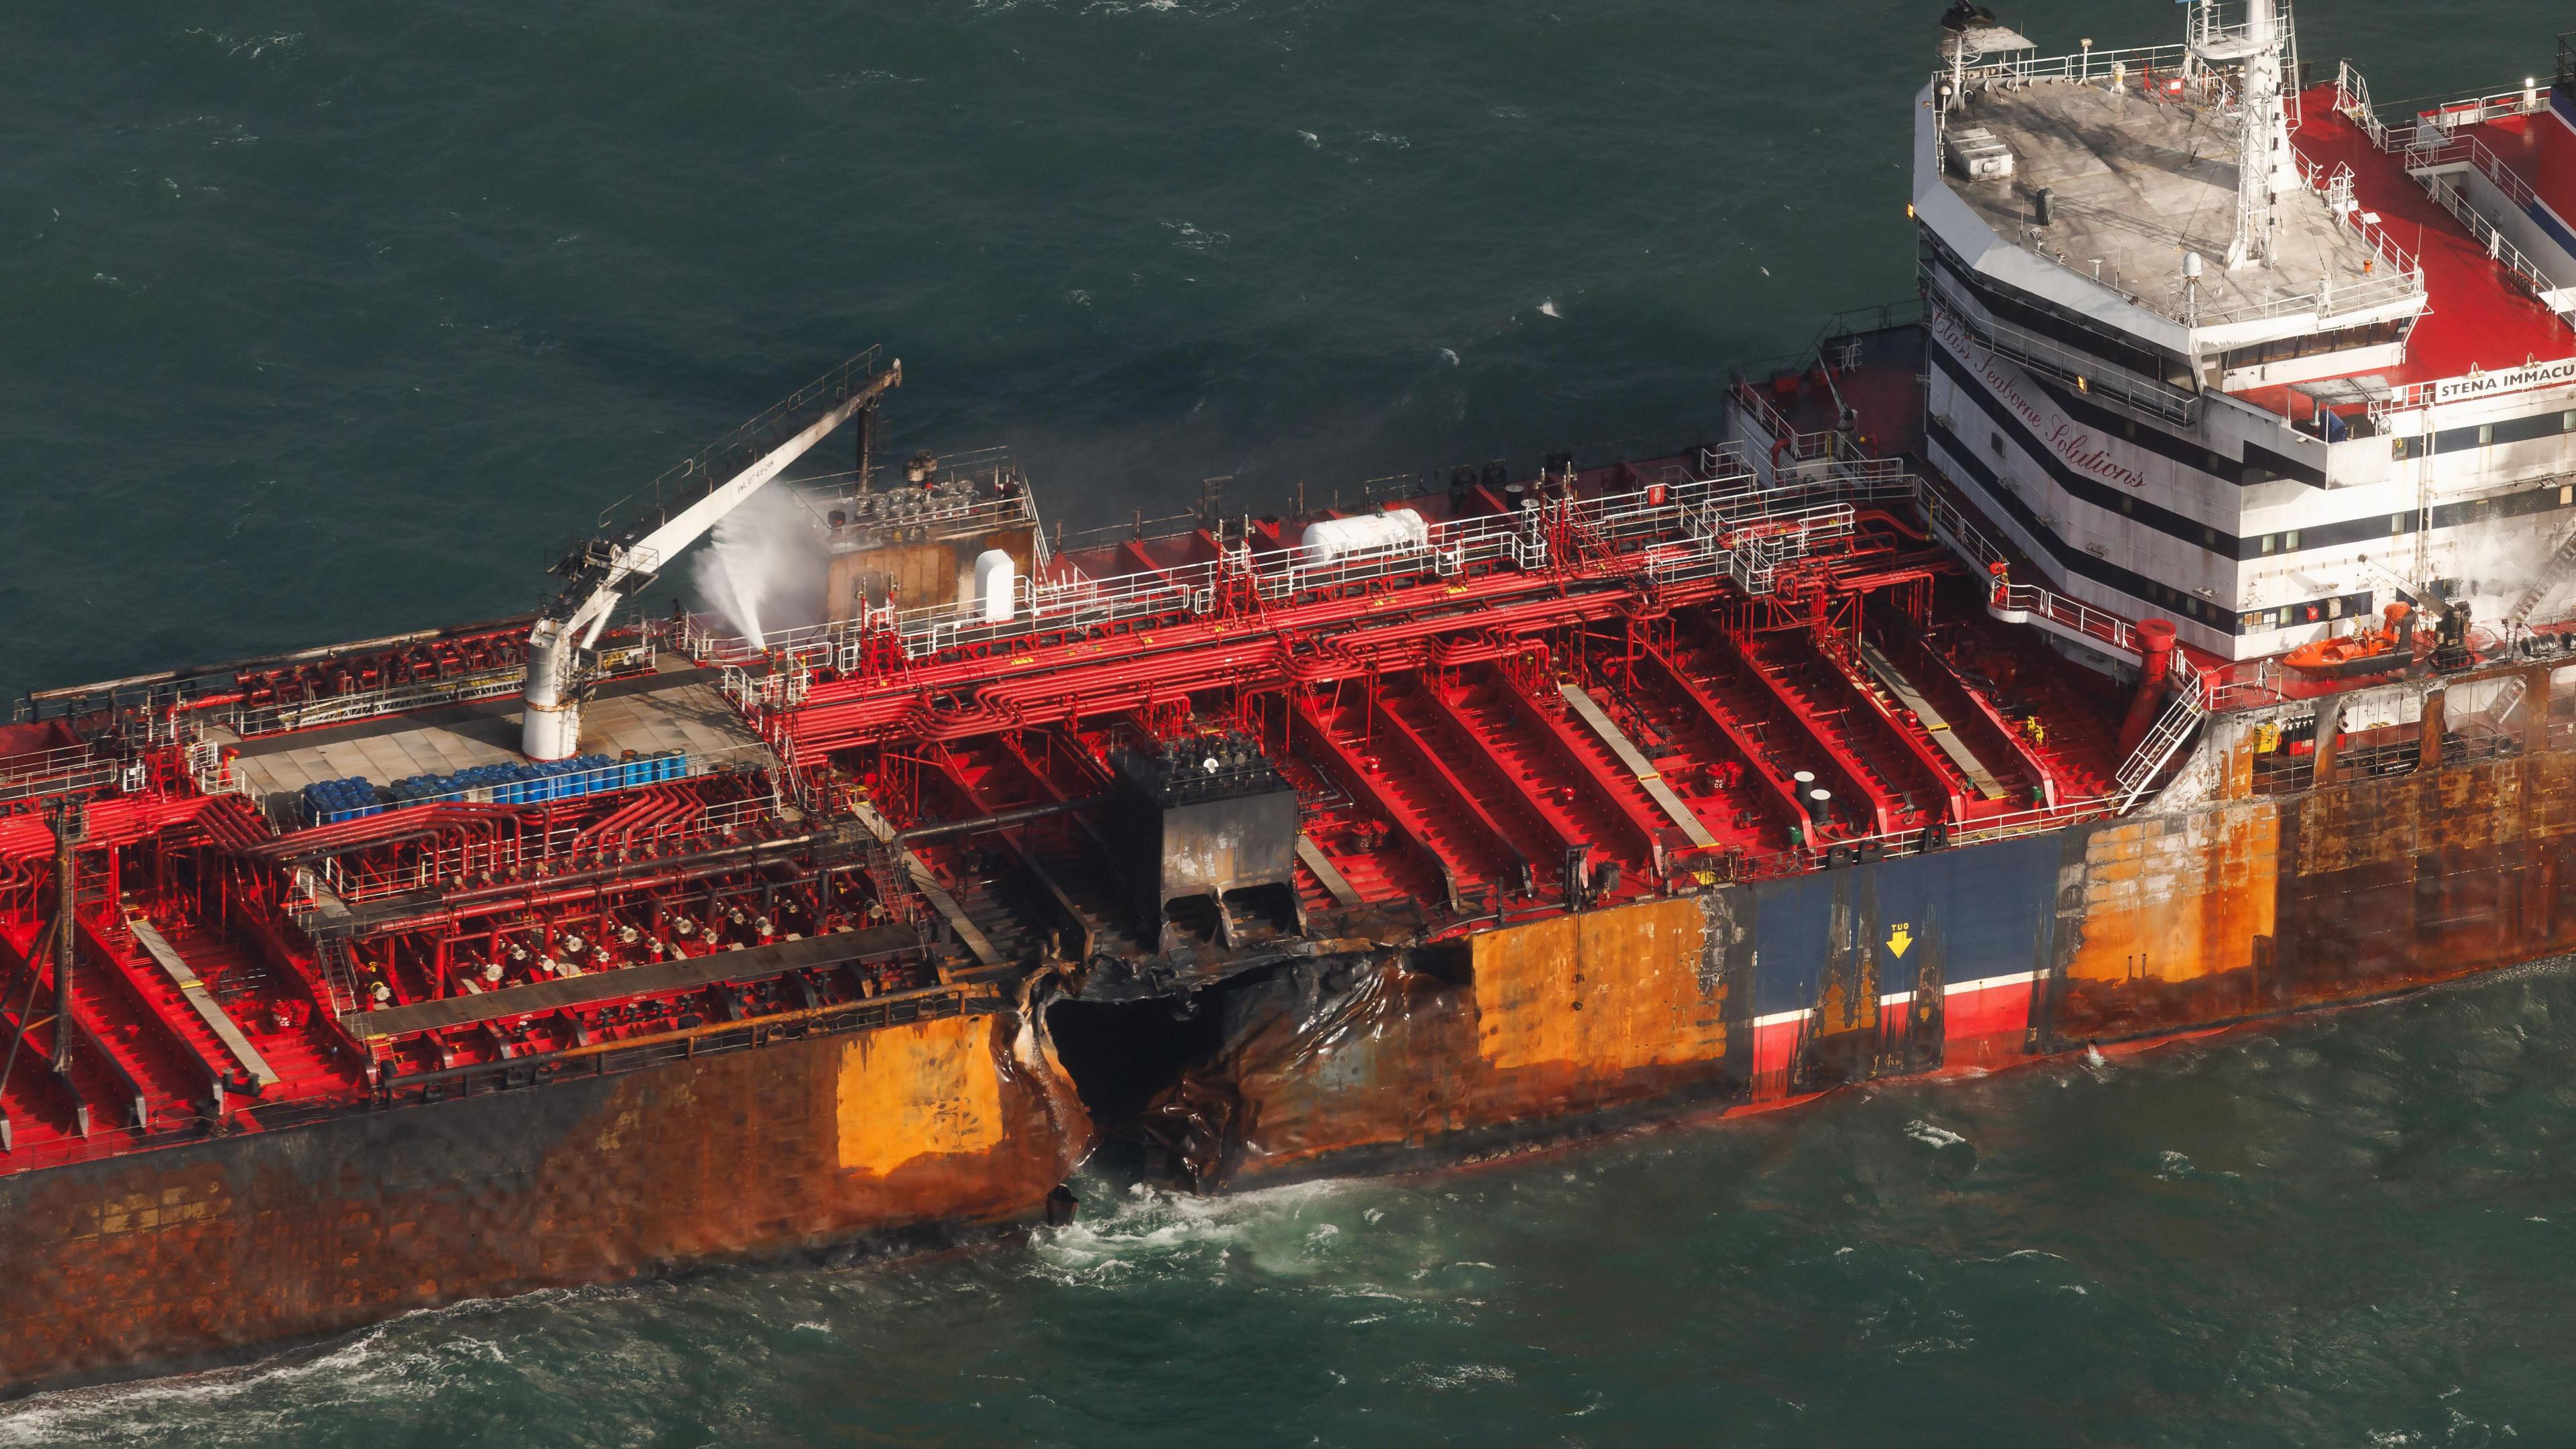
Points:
(1899, 939)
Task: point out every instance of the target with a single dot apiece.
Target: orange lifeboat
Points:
(2363, 651)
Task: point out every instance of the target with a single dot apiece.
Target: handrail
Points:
(2451, 199)
(2082, 67)
(2029, 349)
(2352, 93)
(2181, 715)
(1062, 596)
(685, 482)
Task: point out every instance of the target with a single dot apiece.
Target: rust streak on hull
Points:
(188, 1254)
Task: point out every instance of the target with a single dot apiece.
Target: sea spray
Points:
(740, 591)
(764, 568)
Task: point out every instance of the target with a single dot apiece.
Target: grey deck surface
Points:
(203, 1002)
(2132, 182)
(652, 713)
(1675, 808)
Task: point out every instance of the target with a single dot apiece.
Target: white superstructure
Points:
(2212, 346)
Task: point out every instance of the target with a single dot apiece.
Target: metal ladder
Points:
(2180, 717)
(2562, 564)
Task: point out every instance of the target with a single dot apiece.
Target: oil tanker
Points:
(2155, 626)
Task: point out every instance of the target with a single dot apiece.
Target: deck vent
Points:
(1976, 154)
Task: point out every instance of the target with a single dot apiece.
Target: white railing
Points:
(50, 772)
(1757, 549)
(2427, 152)
(2396, 276)
(2352, 94)
(2084, 67)
(2455, 201)
(213, 772)
(2478, 110)
(1064, 598)
(2352, 98)
(2336, 187)
(2066, 613)
(2245, 684)
(2030, 350)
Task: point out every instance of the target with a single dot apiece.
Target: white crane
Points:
(610, 568)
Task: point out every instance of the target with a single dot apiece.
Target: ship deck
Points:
(1456, 735)
(1621, 680)
(2480, 317)
(2135, 181)
(680, 710)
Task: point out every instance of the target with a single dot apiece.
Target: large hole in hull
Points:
(1120, 1054)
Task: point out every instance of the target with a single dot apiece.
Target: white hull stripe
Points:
(2018, 978)
(1900, 998)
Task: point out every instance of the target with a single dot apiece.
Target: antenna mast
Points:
(2265, 165)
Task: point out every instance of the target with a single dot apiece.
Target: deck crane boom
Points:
(626, 559)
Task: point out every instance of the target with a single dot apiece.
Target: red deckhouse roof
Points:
(2480, 316)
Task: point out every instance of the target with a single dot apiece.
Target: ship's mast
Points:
(2265, 165)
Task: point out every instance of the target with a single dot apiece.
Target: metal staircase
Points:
(2560, 567)
(2182, 715)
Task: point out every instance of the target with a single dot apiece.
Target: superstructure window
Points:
(2267, 543)
(2484, 435)
(2290, 541)
(2342, 338)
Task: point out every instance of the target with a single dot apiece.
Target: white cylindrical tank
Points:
(1398, 530)
(996, 580)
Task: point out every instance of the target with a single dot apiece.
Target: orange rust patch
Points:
(1603, 992)
(925, 1090)
(2178, 899)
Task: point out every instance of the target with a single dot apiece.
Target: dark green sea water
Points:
(324, 321)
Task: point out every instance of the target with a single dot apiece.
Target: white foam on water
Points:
(1276, 1230)
(388, 1361)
